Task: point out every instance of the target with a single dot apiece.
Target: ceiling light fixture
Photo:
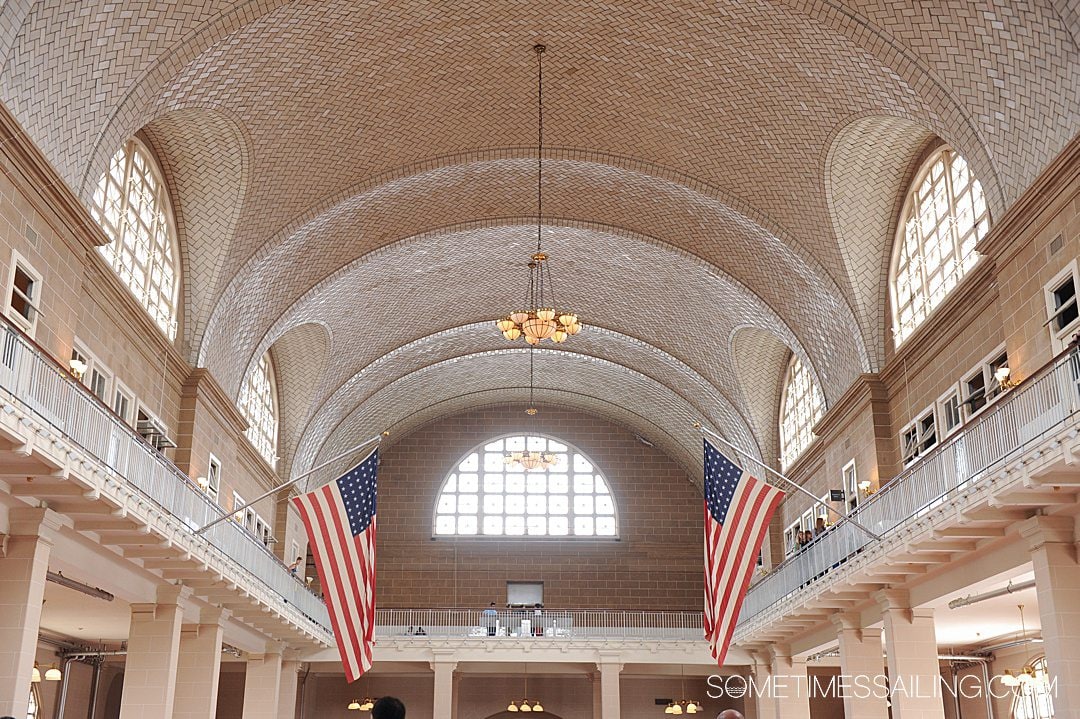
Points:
(525, 705)
(540, 320)
(527, 459)
(1028, 675)
(683, 706)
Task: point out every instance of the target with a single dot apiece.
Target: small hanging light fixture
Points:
(540, 320)
(525, 705)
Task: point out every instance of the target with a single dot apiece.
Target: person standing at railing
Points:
(491, 619)
(819, 527)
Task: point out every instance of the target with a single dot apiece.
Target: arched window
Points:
(258, 403)
(1035, 700)
(800, 408)
(133, 208)
(485, 495)
(944, 216)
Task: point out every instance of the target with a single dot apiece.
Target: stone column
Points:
(594, 678)
(153, 655)
(456, 695)
(262, 684)
(862, 668)
(1057, 582)
(791, 684)
(911, 648)
(23, 566)
(444, 687)
(610, 700)
(760, 692)
(290, 669)
(199, 666)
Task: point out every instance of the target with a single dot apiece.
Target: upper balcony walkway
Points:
(87, 464)
(1007, 464)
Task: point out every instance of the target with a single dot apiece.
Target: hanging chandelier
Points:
(525, 705)
(365, 706)
(1028, 676)
(540, 319)
(683, 706)
(526, 459)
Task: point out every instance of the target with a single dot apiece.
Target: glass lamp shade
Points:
(547, 314)
(676, 709)
(519, 316)
(354, 705)
(537, 706)
(568, 318)
(559, 336)
(512, 334)
(505, 324)
(532, 340)
(52, 674)
(691, 708)
(511, 707)
(35, 676)
(1009, 679)
(573, 329)
(525, 706)
(538, 328)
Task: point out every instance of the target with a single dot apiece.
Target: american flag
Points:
(340, 522)
(738, 508)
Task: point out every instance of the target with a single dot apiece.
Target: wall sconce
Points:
(35, 676)
(866, 488)
(77, 367)
(1001, 374)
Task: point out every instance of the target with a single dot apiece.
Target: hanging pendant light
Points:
(52, 674)
(539, 320)
(525, 705)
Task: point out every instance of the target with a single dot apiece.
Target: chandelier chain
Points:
(540, 142)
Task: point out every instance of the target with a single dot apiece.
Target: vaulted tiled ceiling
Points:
(366, 167)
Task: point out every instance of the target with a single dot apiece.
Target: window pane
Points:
(481, 497)
(802, 407)
(946, 217)
(131, 204)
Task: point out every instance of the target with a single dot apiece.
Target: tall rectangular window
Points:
(24, 295)
(1062, 310)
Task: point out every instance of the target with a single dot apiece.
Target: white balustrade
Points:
(31, 378)
(1015, 422)
(547, 624)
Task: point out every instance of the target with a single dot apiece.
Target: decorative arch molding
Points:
(596, 382)
(761, 359)
(831, 319)
(869, 166)
(862, 31)
(601, 345)
(698, 222)
(205, 157)
(300, 357)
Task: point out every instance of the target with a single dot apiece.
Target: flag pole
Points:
(783, 478)
(294, 480)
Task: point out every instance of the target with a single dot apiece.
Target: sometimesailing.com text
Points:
(866, 686)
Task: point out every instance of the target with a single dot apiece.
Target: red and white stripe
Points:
(347, 569)
(731, 551)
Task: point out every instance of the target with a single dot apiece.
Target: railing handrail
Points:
(52, 365)
(971, 432)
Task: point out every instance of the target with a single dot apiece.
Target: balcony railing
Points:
(547, 625)
(33, 379)
(1018, 420)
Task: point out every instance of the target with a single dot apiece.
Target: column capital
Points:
(847, 621)
(609, 662)
(443, 662)
(214, 615)
(172, 594)
(762, 658)
(1042, 530)
(893, 600)
(780, 652)
(35, 522)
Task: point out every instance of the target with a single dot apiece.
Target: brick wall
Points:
(656, 563)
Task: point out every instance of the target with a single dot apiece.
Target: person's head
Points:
(729, 714)
(821, 523)
(799, 536)
(388, 708)
(492, 605)
(299, 559)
